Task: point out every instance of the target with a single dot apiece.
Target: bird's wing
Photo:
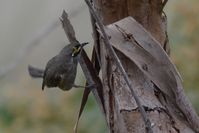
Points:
(50, 64)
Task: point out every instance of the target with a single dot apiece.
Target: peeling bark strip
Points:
(139, 46)
(141, 71)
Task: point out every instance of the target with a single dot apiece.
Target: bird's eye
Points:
(76, 50)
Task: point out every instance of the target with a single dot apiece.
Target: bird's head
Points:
(77, 49)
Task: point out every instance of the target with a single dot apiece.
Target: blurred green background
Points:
(25, 108)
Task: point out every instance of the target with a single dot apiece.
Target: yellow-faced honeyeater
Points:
(61, 70)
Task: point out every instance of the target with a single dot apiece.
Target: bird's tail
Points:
(35, 72)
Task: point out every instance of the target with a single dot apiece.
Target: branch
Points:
(118, 63)
(87, 68)
(70, 33)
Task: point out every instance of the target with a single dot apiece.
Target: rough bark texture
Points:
(146, 12)
(122, 114)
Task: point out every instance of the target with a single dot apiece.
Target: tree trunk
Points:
(121, 112)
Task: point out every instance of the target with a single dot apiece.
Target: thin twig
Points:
(96, 40)
(119, 64)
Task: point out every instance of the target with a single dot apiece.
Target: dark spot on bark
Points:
(160, 127)
(145, 67)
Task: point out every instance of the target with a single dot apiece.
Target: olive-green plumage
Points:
(61, 70)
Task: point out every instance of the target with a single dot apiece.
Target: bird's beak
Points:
(83, 44)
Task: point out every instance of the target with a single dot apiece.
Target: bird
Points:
(61, 70)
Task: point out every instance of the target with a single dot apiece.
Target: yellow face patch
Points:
(76, 51)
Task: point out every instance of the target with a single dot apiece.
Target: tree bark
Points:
(121, 112)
